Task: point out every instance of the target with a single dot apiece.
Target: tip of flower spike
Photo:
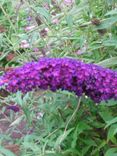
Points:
(14, 108)
(3, 81)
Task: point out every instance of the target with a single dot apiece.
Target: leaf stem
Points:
(75, 111)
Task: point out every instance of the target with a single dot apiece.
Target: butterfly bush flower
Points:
(24, 44)
(14, 108)
(29, 18)
(96, 82)
(68, 2)
(44, 32)
(46, 6)
(36, 49)
(55, 21)
(29, 28)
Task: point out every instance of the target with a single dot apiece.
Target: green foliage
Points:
(5, 152)
(59, 124)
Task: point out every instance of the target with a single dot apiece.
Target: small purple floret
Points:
(14, 108)
(94, 81)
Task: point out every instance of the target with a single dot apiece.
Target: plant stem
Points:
(75, 111)
(8, 18)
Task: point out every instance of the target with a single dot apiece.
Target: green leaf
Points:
(108, 62)
(111, 133)
(112, 12)
(3, 56)
(82, 126)
(109, 103)
(69, 20)
(107, 23)
(42, 11)
(51, 154)
(72, 151)
(110, 43)
(19, 98)
(99, 147)
(75, 137)
(16, 122)
(2, 2)
(110, 122)
(106, 115)
(111, 152)
(62, 137)
(6, 152)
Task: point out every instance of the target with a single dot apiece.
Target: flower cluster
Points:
(94, 81)
(68, 2)
(14, 108)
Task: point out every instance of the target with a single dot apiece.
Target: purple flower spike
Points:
(14, 108)
(94, 81)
